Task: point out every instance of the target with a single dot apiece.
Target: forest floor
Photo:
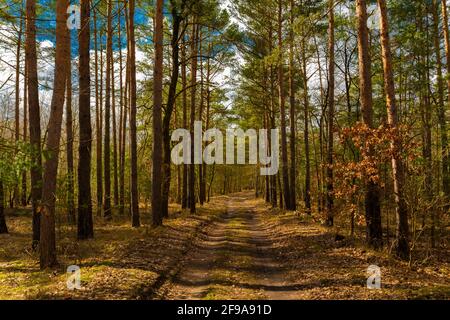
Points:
(236, 247)
(252, 252)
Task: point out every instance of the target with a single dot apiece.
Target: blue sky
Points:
(46, 22)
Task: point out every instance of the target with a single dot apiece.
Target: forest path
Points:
(234, 258)
(254, 252)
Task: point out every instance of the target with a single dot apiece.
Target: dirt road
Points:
(234, 258)
(252, 253)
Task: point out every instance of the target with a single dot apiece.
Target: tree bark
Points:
(25, 134)
(331, 105)
(126, 106)
(134, 207)
(85, 223)
(121, 125)
(441, 112)
(266, 126)
(372, 197)
(35, 117)
(184, 196)
(17, 99)
(292, 116)
(402, 245)
(69, 136)
(425, 103)
(114, 136)
(176, 21)
(306, 134)
(157, 121)
(107, 213)
(194, 52)
(208, 112)
(201, 186)
(281, 99)
(98, 122)
(321, 177)
(47, 243)
(273, 178)
(3, 226)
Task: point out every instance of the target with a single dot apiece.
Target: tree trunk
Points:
(133, 129)
(372, 197)
(331, 104)
(194, 52)
(17, 98)
(107, 213)
(25, 134)
(176, 21)
(114, 136)
(47, 243)
(292, 115)
(35, 116)
(121, 125)
(85, 223)
(3, 227)
(307, 148)
(426, 122)
(266, 126)
(208, 112)
(282, 204)
(321, 176)
(184, 196)
(201, 186)
(273, 178)
(281, 99)
(98, 122)
(69, 136)
(157, 121)
(441, 112)
(126, 105)
(178, 168)
(402, 245)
